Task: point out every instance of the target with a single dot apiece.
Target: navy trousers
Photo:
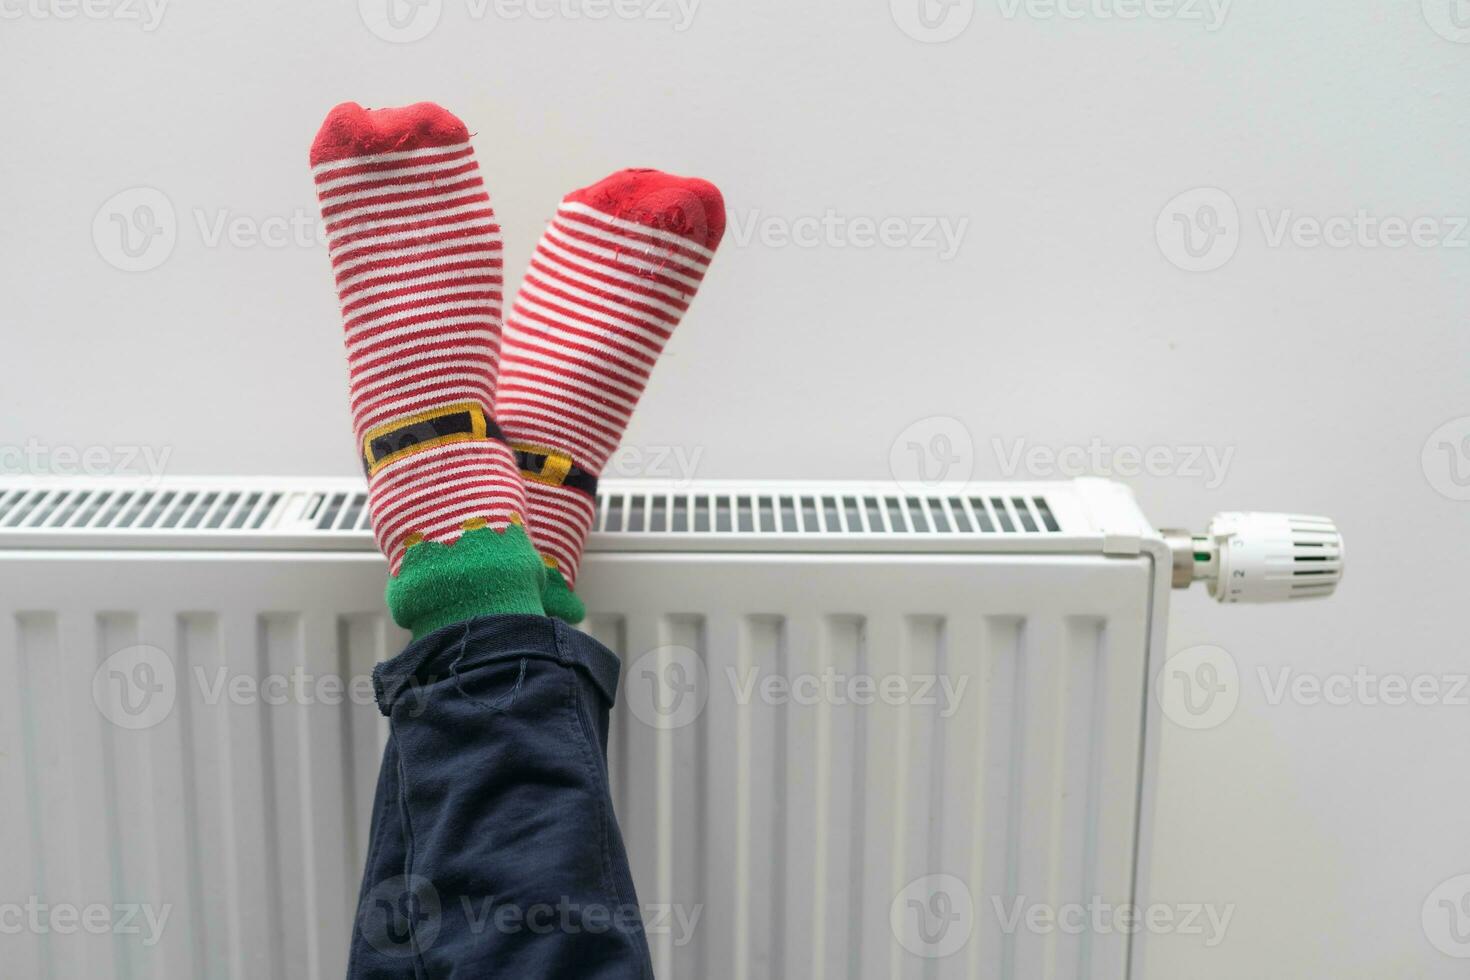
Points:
(494, 851)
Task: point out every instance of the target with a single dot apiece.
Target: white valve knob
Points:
(1272, 557)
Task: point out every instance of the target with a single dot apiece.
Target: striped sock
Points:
(417, 256)
(610, 280)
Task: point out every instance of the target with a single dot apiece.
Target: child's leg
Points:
(612, 277)
(495, 851)
(417, 257)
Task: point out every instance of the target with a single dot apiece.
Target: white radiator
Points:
(855, 727)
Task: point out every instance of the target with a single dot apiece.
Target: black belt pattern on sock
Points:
(426, 430)
(562, 472)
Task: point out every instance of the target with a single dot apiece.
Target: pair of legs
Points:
(494, 851)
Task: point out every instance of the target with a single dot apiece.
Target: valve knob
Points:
(1274, 557)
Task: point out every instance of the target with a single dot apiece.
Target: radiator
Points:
(855, 726)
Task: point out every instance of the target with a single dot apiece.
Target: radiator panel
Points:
(812, 818)
(789, 828)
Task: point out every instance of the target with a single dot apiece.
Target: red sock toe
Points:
(686, 206)
(352, 131)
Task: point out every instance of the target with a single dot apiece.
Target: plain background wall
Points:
(1335, 377)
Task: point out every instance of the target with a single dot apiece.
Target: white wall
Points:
(1060, 320)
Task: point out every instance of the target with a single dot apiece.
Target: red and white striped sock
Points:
(417, 255)
(610, 280)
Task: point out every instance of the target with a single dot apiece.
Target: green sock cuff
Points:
(484, 573)
(560, 601)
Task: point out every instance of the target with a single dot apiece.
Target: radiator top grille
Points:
(619, 512)
(316, 514)
(816, 513)
(122, 509)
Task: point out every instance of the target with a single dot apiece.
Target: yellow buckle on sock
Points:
(417, 433)
(554, 469)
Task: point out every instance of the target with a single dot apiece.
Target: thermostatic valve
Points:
(1255, 557)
